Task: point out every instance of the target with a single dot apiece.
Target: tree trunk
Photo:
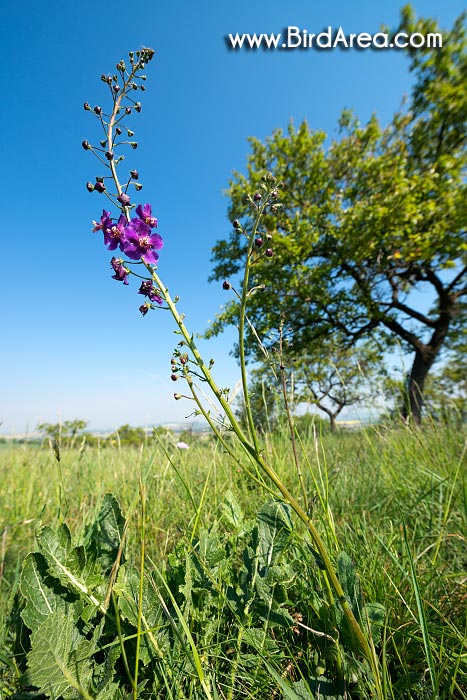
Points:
(413, 400)
(332, 422)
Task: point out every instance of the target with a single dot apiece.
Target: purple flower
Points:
(121, 273)
(123, 199)
(145, 213)
(140, 243)
(148, 290)
(99, 187)
(104, 222)
(144, 308)
(114, 234)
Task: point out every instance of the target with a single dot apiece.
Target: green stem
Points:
(241, 330)
(269, 471)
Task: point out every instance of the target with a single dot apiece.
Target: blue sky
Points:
(74, 344)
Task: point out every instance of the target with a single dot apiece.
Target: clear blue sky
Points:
(74, 344)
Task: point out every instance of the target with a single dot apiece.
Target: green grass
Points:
(394, 500)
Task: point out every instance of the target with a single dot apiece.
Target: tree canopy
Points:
(371, 237)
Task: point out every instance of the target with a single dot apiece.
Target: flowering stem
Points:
(241, 330)
(255, 453)
(250, 444)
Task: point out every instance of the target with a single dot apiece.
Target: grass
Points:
(394, 500)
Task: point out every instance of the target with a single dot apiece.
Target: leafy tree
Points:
(65, 432)
(337, 377)
(371, 225)
(128, 436)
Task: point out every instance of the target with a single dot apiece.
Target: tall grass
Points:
(394, 500)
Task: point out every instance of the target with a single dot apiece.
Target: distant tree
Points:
(371, 225)
(126, 435)
(65, 433)
(337, 377)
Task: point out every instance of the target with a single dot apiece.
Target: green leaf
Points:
(107, 531)
(77, 569)
(44, 594)
(350, 583)
(59, 663)
(274, 529)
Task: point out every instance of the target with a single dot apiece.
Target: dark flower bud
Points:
(259, 242)
(134, 174)
(99, 187)
(123, 199)
(128, 110)
(116, 88)
(98, 110)
(133, 144)
(87, 106)
(89, 186)
(177, 397)
(99, 179)
(173, 377)
(130, 133)
(138, 106)
(86, 145)
(138, 186)
(275, 194)
(236, 223)
(144, 308)
(257, 196)
(103, 143)
(269, 253)
(109, 155)
(118, 131)
(226, 285)
(134, 86)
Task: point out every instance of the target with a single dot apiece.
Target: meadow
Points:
(229, 597)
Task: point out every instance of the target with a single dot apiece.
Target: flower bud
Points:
(236, 223)
(257, 196)
(134, 174)
(133, 144)
(86, 145)
(99, 187)
(269, 253)
(89, 186)
(109, 155)
(177, 397)
(87, 106)
(98, 110)
(259, 242)
(144, 308)
(128, 110)
(118, 131)
(103, 143)
(116, 88)
(130, 133)
(173, 377)
(226, 285)
(123, 199)
(138, 106)
(138, 186)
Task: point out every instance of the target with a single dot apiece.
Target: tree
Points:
(370, 226)
(336, 378)
(63, 432)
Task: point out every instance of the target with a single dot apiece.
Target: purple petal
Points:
(156, 241)
(150, 257)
